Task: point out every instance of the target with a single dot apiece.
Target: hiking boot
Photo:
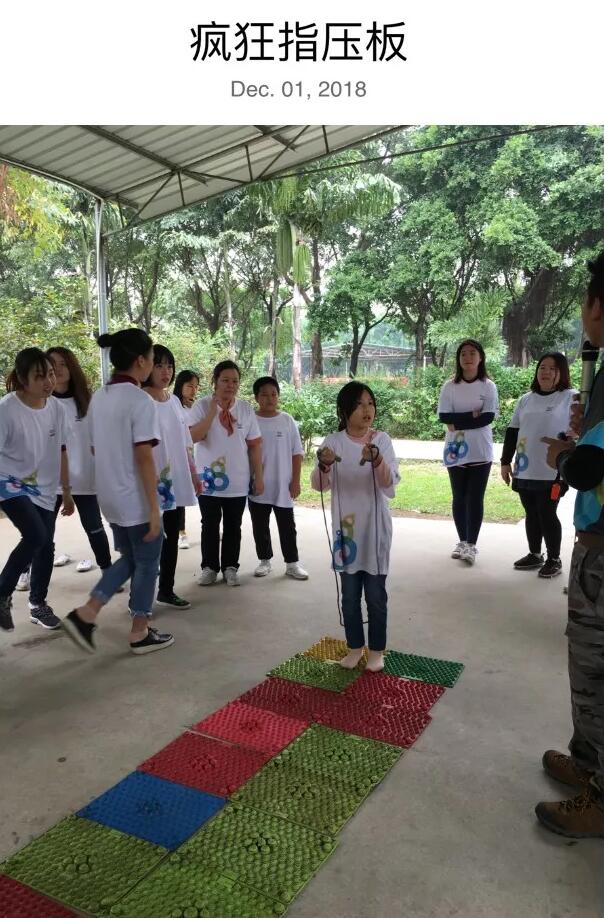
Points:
(43, 615)
(580, 817)
(6, 619)
(468, 553)
(551, 568)
(530, 562)
(79, 631)
(294, 569)
(457, 551)
(264, 568)
(561, 768)
(207, 577)
(153, 640)
(173, 600)
(231, 576)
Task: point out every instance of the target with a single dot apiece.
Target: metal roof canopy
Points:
(156, 170)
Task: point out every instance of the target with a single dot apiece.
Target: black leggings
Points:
(541, 521)
(468, 484)
(169, 551)
(36, 527)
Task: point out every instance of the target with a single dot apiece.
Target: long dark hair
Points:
(481, 373)
(348, 399)
(78, 387)
(562, 367)
(184, 377)
(126, 346)
(30, 358)
(161, 353)
(595, 287)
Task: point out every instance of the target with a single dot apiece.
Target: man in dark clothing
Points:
(581, 465)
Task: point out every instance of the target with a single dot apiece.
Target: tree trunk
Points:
(272, 351)
(316, 366)
(229, 305)
(297, 339)
(355, 351)
(527, 314)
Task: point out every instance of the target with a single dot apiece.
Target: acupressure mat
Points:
(297, 754)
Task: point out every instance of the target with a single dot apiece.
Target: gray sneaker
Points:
(6, 619)
(231, 576)
(44, 616)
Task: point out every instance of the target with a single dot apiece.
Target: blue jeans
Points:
(36, 527)
(376, 599)
(139, 561)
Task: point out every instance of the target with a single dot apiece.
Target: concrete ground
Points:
(450, 832)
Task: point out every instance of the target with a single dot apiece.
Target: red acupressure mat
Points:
(293, 699)
(206, 764)
(380, 688)
(374, 721)
(253, 727)
(18, 901)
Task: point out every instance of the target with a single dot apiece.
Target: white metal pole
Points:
(100, 286)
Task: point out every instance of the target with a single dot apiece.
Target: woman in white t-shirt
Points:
(282, 455)
(468, 404)
(542, 412)
(227, 442)
(359, 466)
(124, 429)
(33, 463)
(186, 386)
(178, 480)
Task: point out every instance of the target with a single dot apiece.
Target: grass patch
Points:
(425, 489)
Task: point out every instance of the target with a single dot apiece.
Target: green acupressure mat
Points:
(83, 864)
(275, 857)
(343, 757)
(178, 890)
(317, 673)
(425, 669)
(322, 804)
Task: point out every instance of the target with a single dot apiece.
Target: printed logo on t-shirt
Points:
(167, 501)
(457, 449)
(19, 487)
(214, 478)
(52, 432)
(522, 460)
(344, 547)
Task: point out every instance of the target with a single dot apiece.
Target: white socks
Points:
(375, 662)
(352, 658)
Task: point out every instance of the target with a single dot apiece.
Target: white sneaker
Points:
(61, 561)
(207, 577)
(295, 570)
(23, 582)
(263, 568)
(83, 566)
(458, 550)
(469, 553)
(231, 577)
(183, 542)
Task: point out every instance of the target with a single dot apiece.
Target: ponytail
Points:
(126, 346)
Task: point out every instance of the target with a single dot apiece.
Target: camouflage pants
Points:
(585, 632)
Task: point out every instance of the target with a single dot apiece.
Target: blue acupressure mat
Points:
(153, 809)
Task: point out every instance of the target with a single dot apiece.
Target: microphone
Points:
(589, 355)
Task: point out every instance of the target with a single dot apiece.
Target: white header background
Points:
(470, 61)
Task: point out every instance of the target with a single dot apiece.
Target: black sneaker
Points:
(172, 599)
(6, 619)
(44, 615)
(551, 568)
(153, 641)
(79, 631)
(530, 562)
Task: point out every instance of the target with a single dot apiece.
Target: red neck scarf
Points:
(227, 419)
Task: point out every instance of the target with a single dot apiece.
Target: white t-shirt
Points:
(121, 415)
(538, 416)
(81, 460)
(280, 441)
(175, 488)
(357, 508)
(466, 446)
(222, 460)
(31, 440)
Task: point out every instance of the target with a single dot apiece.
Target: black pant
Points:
(541, 521)
(37, 528)
(181, 519)
(230, 510)
(90, 517)
(261, 514)
(468, 484)
(169, 551)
